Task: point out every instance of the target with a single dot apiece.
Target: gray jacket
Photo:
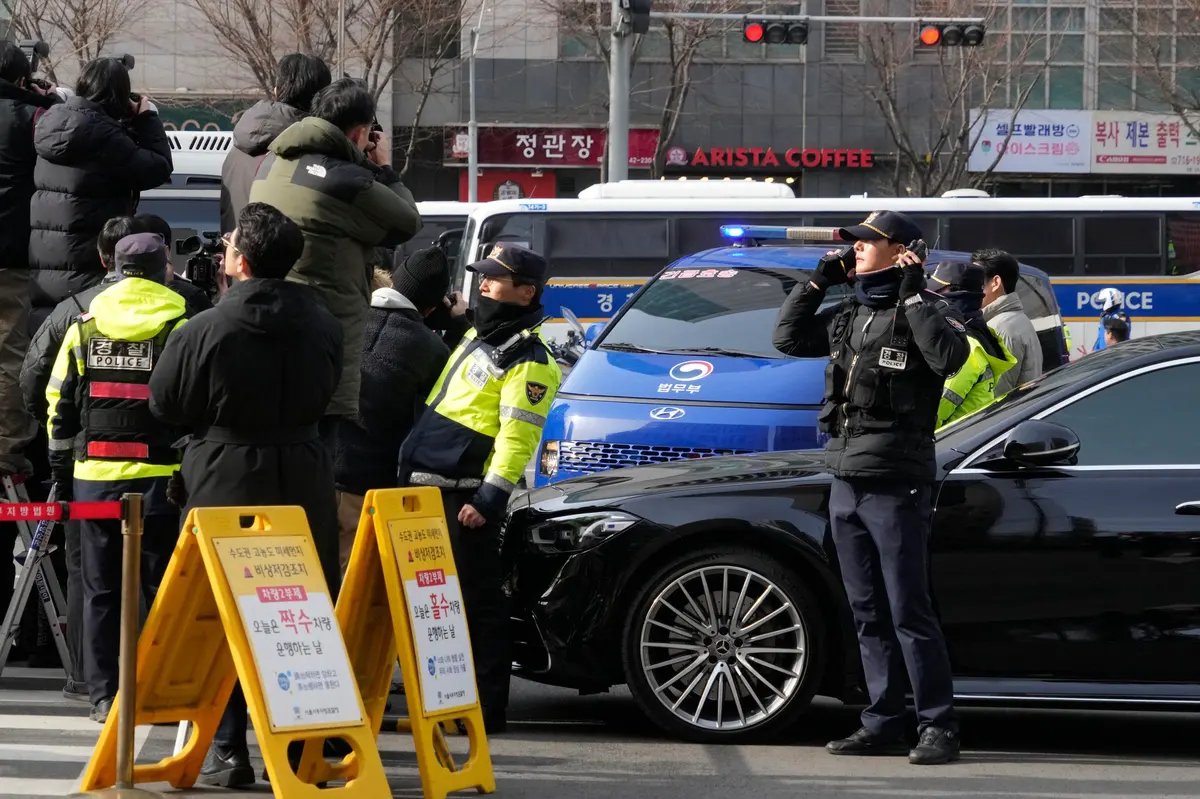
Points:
(1007, 317)
(254, 132)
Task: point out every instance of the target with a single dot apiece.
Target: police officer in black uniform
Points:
(890, 347)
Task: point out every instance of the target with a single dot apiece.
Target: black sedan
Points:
(1066, 562)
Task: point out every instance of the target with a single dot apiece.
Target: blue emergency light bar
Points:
(779, 233)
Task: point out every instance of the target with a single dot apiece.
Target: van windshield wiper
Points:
(620, 347)
(723, 351)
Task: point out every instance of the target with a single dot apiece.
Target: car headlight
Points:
(580, 531)
(550, 458)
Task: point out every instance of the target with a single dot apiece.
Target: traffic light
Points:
(639, 14)
(755, 32)
(954, 34)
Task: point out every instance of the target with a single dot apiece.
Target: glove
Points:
(832, 269)
(176, 490)
(64, 490)
(913, 282)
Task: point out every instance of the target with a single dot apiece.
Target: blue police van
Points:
(686, 369)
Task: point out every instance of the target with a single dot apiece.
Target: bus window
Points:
(1047, 242)
(1122, 245)
(598, 247)
(1183, 242)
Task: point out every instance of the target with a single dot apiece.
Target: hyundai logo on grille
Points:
(666, 414)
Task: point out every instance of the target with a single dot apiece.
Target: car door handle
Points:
(1188, 509)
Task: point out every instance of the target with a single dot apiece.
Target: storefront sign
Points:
(1136, 142)
(795, 157)
(1033, 142)
(547, 147)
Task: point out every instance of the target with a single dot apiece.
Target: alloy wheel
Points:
(723, 648)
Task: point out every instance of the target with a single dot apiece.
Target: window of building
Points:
(1043, 35)
(1109, 435)
(842, 40)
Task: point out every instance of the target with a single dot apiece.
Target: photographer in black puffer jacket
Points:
(95, 154)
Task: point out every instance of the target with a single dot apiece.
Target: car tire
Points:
(650, 649)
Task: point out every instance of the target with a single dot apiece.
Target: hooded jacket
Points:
(43, 348)
(401, 361)
(18, 109)
(249, 381)
(129, 310)
(90, 168)
(1006, 316)
(253, 133)
(346, 207)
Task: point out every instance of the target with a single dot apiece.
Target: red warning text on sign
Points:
(430, 577)
(282, 593)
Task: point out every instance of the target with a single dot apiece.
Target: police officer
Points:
(973, 387)
(104, 442)
(890, 348)
(480, 427)
(1113, 301)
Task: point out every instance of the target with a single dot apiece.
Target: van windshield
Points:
(730, 311)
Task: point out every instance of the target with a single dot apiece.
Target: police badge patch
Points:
(957, 325)
(534, 392)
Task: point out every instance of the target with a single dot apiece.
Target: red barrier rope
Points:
(58, 511)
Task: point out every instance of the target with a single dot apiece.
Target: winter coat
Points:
(251, 379)
(1007, 317)
(18, 109)
(346, 207)
(43, 348)
(401, 361)
(254, 131)
(90, 168)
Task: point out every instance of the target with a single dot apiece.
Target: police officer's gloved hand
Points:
(176, 491)
(832, 269)
(913, 282)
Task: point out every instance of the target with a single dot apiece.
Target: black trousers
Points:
(477, 558)
(100, 548)
(74, 633)
(881, 531)
(231, 732)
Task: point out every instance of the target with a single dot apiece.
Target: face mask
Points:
(879, 289)
(491, 315)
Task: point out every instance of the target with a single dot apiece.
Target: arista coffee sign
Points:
(811, 158)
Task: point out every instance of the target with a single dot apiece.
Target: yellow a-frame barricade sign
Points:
(401, 596)
(247, 602)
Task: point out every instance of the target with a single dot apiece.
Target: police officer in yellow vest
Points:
(972, 387)
(104, 442)
(483, 420)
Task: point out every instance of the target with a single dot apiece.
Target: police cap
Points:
(958, 276)
(888, 225)
(141, 255)
(510, 259)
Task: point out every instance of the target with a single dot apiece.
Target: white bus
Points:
(603, 245)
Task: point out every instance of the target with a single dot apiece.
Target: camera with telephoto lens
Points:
(35, 50)
(201, 267)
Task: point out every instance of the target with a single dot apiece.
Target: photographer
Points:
(96, 153)
(891, 346)
(197, 298)
(22, 101)
(298, 77)
(332, 174)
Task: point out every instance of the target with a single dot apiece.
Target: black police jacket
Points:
(884, 378)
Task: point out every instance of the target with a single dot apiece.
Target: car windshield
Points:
(706, 310)
(202, 214)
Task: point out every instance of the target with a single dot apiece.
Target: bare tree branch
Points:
(1165, 52)
(926, 97)
(76, 30)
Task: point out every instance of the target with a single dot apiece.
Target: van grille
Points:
(593, 456)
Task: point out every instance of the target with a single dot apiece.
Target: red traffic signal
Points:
(955, 34)
(775, 32)
(753, 32)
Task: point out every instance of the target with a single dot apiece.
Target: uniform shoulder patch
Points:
(957, 325)
(534, 392)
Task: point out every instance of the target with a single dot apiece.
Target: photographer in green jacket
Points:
(331, 174)
(972, 387)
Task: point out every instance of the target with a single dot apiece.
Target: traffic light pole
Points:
(621, 50)
(620, 57)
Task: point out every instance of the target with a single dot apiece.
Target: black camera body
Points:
(35, 50)
(202, 267)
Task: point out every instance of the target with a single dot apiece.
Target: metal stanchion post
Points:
(131, 571)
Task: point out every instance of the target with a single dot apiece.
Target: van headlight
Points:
(580, 531)
(549, 459)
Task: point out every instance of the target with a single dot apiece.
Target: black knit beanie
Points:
(424, 277)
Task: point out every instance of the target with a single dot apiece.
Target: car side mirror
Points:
(188, 246)
(1040, 443)
(593, 332)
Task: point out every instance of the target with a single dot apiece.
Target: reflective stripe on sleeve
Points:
(950, 396)
(520, 414)
(59, 444)
(499, 482)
